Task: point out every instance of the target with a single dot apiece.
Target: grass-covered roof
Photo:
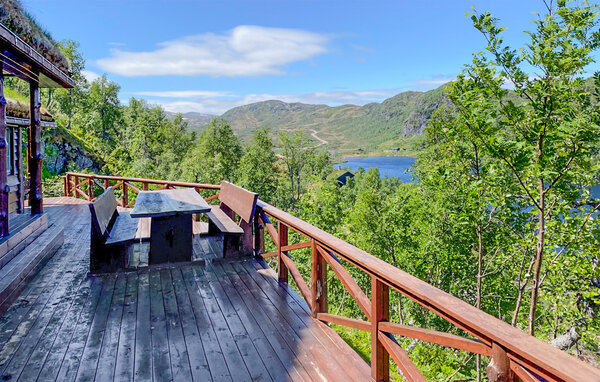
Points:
(23, 25)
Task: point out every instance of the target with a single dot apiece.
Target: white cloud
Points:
(187, 94)
(244, 51)
(89, 75)
(204, 102)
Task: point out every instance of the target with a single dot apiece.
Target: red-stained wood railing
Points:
(514, 354)
(86, 186)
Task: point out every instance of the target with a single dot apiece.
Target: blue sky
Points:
(209, 56)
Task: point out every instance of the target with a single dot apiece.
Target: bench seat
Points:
(235, 201)
(222, 222)
(123, 230)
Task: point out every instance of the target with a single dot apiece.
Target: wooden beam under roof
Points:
(23, 61)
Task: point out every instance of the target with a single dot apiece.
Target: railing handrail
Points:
(497, 336)
(520, 346)
(144, 180)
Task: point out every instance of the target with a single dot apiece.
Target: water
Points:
(388, 166)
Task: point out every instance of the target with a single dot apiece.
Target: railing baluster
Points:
(124, 198)
(90, 188)
(76, 186)
(282, 270)
(144, 186)
(380, 311)
(106, 184)
(318, 281)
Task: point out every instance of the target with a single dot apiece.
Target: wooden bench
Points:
(235, 201)
(112, 234)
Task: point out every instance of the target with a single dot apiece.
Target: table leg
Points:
(170, 239)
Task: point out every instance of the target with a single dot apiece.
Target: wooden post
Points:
(124, 198)
(498, 370)
(90, 188)
(67, 184)
(257, 233)
(318, 279)
(144, 186)
(19, 164)
(4, 188)
(282, 270)
(106, 185)
(76, 181)
(380, 311)
(35, 150)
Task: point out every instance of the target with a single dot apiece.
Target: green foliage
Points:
(258, 166)
(216, 157)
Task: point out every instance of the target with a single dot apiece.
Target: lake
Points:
(388, 166)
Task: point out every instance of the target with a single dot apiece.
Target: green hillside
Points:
(395, 124)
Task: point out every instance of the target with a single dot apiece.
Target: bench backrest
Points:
(103, 210)
(239, 200)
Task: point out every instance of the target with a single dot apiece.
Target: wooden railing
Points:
(514, 355)
(89, 186)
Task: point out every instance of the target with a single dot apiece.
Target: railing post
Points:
(124, 198)
(75, 186)
(318, 278)
(67, 184)
(144, 186)
(106, 184)
(282, 270)
(498, 370)
(90, 188)
(380, 311)
(257, 231)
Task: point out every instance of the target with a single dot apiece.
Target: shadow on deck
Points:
(218, 320)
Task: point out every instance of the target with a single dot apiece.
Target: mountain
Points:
(196, 121)
(394, 124)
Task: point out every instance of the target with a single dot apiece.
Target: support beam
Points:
(4, 188)
(282, 240)
(318, 281)
(380, 311)
(35, 151)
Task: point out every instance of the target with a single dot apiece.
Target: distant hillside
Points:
(373, 127)
(196, 121)
(394, 124)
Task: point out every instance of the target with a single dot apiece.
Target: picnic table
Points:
(171, 225)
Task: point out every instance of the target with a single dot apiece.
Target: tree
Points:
(215, 156)
(99, 120)
(543, 134)
(257, 170)
(296, 155)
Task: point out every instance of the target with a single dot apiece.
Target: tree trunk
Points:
(538, 259)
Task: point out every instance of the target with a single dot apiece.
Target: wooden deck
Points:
(221, 320)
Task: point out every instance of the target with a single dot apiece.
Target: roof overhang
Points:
(21, 60)
(23, 122)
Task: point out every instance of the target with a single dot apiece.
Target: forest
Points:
(500, 213)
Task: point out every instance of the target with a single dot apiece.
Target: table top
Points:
(168, 203)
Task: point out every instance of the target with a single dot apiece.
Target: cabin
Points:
(27, 54)
(88, 293)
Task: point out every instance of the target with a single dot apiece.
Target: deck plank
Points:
(110, 342)
(125, 352)
(161, 363)
(91, 352)
(198, 361)
(251, 344)
(143, 341)
(212, 349)
(180, 363)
